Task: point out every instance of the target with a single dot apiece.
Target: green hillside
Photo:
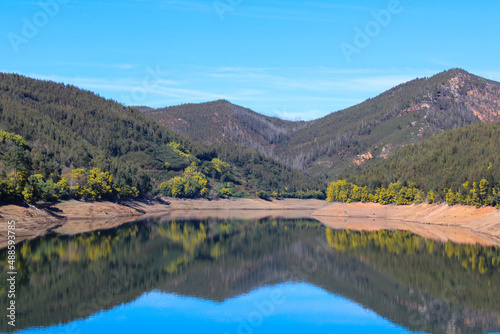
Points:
(444, 161)
(355, 136)
(58, 141)
(66, 129)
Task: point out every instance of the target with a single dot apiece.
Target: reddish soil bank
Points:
(462, 224)
(73, 217)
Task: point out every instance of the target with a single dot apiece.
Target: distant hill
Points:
(223, 122)
(351, 137)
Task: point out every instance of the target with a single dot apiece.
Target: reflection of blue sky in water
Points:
(435, 293)
(284, 308)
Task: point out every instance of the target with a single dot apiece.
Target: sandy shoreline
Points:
(460, 224)
(74, 217)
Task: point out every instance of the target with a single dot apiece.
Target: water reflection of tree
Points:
(63, 278)
(469, 271)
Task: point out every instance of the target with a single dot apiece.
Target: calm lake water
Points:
(265, 276)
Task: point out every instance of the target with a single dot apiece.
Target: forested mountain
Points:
(352, 137)
(66, 126)
(58, 141)
(223, 122)
(52, 136)
(444, 161)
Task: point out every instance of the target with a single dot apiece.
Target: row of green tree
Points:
(20, 181)
(479, 194)
(302, 194)
(92, 184)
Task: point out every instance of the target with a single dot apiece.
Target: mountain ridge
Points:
(227, 121)
(350, 137)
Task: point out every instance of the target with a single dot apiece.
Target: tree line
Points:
(18, 180)
(477, 194)
(21, 180)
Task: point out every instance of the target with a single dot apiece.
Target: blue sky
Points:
(296, 60)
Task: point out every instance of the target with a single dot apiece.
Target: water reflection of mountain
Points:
(420, 284)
